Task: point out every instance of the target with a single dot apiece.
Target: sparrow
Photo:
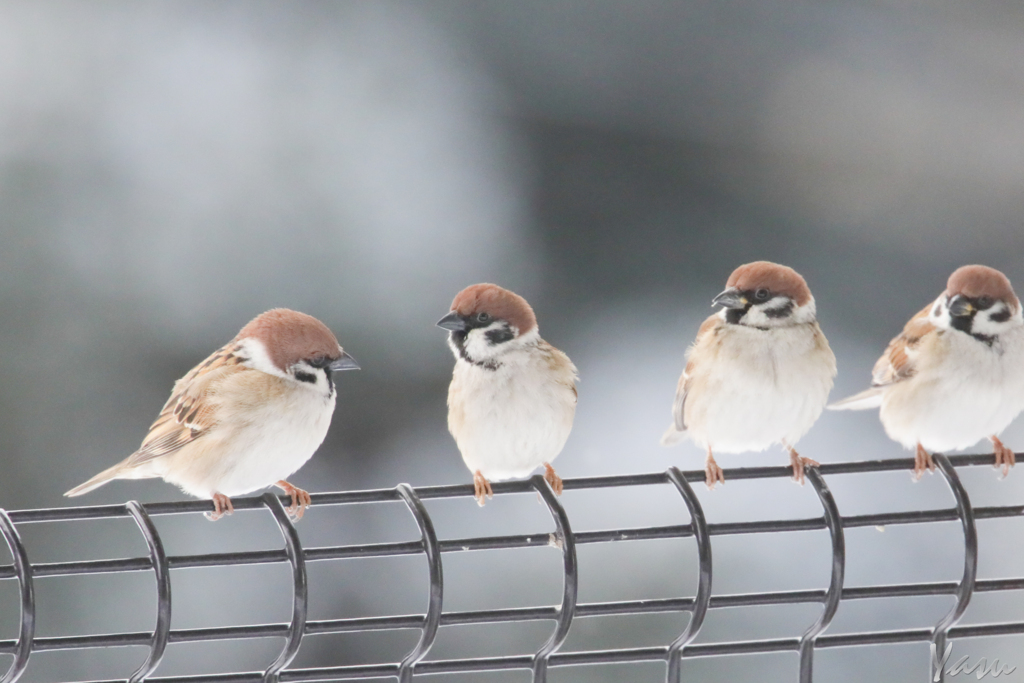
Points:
(246, 417)
(955, 375)
(512, 398)
(759, 372)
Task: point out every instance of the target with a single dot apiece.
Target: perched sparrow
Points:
(513, 396)
(759, 371)
(246, 417)
(955, 375)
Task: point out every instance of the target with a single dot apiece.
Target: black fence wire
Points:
(27, 645)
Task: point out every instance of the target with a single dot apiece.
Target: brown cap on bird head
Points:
(497, 302)
(290, 336)
(977, 281)
(775, 278)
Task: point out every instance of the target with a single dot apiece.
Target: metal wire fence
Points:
(27, 645)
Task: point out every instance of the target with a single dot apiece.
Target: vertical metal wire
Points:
(835, 587)
(702, 599)
(965, 589)
(432, 550)
(23, 569)
(570, 579)
(300, 588)
(162, 630)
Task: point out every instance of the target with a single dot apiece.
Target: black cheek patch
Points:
(1001, 317)
(783, 311)
(499, 336)
(305, 376)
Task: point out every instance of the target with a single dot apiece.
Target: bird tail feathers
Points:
(99, 480)
(672, 436)
(871, 398)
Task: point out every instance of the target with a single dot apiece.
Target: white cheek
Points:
(321, 385)
(479, 347)
(757, 316)
(983, 323)
(259, 359)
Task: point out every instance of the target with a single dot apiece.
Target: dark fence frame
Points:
(563, 537)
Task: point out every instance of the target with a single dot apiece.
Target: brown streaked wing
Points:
(896, 365)
(559, 362)
(187, 416)
(704, 335)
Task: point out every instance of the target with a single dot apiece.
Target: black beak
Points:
(730, 298)
(453, 321)
(346, 362)
(960, 307)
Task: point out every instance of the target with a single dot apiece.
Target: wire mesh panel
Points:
(18, 654)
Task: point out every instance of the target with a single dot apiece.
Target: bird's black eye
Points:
(762, 294)
(483, 317)
(984, 302)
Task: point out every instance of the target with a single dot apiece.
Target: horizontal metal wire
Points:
(499, 542)
(610, 656)
(466, 490)
(518, 614)
(549, 655)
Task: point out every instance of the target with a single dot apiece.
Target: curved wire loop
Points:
(965, 589)
(162, 630)
(23, 569)
(432, 549)
(570, 578)
(702, 599)
(835, 587)
(300, 588)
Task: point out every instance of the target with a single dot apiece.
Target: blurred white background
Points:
(168, 171)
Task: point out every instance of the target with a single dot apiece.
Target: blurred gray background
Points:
(169, 171)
